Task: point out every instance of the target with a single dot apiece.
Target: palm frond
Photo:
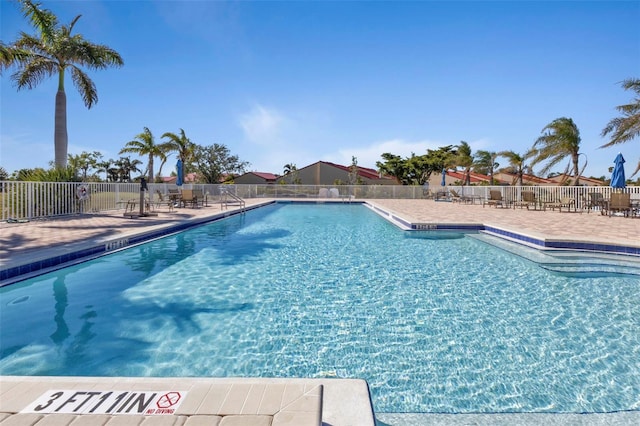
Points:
(42, 19)
(33, 72)
(624, 129)
(85, 86)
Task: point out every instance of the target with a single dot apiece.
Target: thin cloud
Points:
(262, 125)
(368, 156)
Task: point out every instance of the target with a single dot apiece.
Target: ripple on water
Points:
(434, 325)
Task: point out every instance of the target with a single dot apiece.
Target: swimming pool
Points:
(433, 324)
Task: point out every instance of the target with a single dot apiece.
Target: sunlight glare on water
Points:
(303, 290)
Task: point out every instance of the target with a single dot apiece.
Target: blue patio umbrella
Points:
(180, 171)
(617, 177)
(444, 175)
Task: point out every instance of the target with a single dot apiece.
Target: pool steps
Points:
(564, 261)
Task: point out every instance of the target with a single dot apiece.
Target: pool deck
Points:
(326, 402)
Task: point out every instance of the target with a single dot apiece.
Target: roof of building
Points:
(263, 175)
(530, 178)
(564, 177)
(189, 177)
(473, 177)
(362, 171)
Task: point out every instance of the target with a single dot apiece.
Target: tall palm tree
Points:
(464, 159)
(144, 144)
(625, 128)
(517, 164)
(485, 162)
(53, 51)
(180, 144)
(560, 139)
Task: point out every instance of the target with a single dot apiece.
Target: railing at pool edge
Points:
(41, 200)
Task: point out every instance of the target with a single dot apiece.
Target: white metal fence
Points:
(38, 200)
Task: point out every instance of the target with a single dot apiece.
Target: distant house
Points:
(189, 178)
(512, 179)
(455, 177)
(255, 178)
(325, 173)
(562, 179)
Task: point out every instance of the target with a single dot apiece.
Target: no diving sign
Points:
(146, 403)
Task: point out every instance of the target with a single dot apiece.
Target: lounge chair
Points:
(620, 202)
(442, 196)
(455, 197)
(566, 202)
(527, 199)
(495, 199)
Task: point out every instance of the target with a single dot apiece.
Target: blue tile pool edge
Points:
(17, 273)
(28, 270)
(542, 244)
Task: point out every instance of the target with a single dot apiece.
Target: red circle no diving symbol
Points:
(168, 399)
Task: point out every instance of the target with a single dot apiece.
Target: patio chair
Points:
(188, 197)
(595, 200)
(334, 193)
(495, 199)
(620, 202)
(323, 193)
(200, 197)
(527, 199)
(164, 200)
(566, 202)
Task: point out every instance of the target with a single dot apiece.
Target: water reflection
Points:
(60, 294)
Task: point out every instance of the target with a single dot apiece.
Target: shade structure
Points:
(444, 176)
(180, 172)
(617, 177)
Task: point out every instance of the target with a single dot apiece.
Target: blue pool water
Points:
(298, 290)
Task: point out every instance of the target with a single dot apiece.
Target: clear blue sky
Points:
(298, 82)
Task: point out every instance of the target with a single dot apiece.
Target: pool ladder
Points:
(231, 199)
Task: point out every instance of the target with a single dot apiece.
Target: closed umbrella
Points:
(180, 171)
(444, 175)
(617, 177)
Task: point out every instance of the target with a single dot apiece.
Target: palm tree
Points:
(627, 127)
(126, 166)
(485, 162)
(291, 171)
(464, 159)
(51, 52)
(288, 168)
(516, 164)
(180, 144)
(144, 144)
(560, 139)
(106, 166)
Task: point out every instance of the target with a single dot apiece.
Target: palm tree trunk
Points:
(150, 177)
(60, 137)
(576, 170)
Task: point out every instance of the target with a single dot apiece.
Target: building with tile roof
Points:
(563, 179)
(326, 173)
(256, 178)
